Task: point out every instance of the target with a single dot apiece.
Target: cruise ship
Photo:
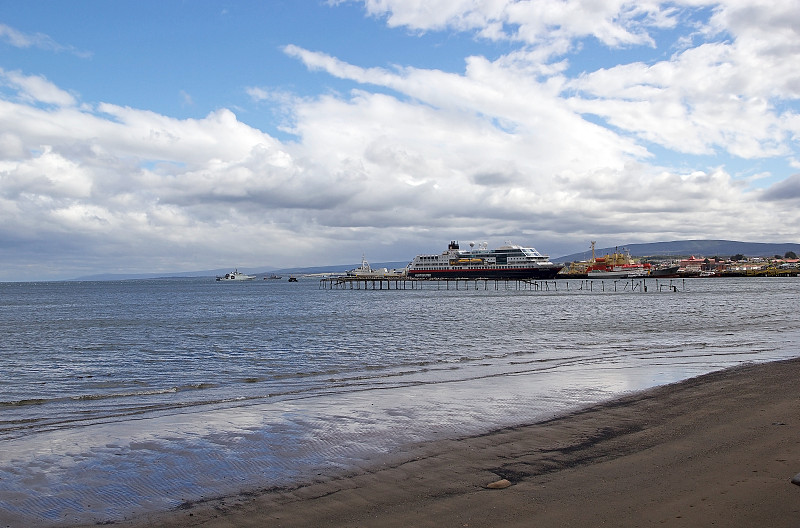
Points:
(506, 262)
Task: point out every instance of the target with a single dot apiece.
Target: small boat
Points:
(272, 277)
(235, 275)
(293, 279)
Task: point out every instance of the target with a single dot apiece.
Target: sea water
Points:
(118, 398)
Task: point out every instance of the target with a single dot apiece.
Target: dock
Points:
(639, 284)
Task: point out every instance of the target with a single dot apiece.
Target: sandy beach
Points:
(717, 450)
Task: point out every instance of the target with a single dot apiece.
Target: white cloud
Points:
(14, 37)
(186, 98)
(613, 22)
(21, 39)
(47, 174)
(703, 99)
(161, 184)
(412, 157)
(36, 89)
(519, 124)
(721, 95)
(258, 94)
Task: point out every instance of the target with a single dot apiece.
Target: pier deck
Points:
(639, 284)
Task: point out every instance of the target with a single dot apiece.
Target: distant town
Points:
(620, 263)
(740, 265)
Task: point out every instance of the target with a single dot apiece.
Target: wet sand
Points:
(717, 450)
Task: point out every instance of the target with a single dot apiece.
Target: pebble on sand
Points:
(499, 484)
(796, 479)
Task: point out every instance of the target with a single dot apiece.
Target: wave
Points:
(110, 395)
(21, 403)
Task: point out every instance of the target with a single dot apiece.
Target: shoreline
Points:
(718, 449)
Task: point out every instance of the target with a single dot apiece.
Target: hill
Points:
(686, 248)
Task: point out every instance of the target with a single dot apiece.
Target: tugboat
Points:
(235, 275)
(615, 266)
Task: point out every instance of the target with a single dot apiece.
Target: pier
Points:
(346, 282)
(639, 284)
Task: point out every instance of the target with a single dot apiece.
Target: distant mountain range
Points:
(284, 272)
(678, 248)
(687, 248)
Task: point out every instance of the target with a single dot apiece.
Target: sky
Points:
(154, 136)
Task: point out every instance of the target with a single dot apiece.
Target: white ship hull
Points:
(235, 275)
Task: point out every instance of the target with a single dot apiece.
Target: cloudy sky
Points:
(150, 136)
